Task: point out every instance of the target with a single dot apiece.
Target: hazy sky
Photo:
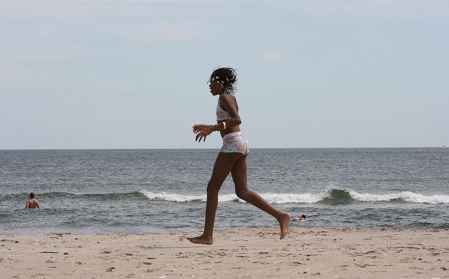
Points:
(312, 74)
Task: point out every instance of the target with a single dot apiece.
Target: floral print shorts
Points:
(235, 142)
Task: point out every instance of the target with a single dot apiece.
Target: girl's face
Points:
(215, 87)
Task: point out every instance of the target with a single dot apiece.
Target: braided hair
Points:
(226, 78)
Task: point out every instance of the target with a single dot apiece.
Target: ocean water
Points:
(152, 191)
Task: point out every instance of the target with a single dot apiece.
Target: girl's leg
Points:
(222, 167)
(240, 176)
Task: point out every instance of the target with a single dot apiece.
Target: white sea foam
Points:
(184, 198)
(270, 197)
(293, 198)
(307, 198)
(404, 196)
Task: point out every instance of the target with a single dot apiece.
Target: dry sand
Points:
(239, 253)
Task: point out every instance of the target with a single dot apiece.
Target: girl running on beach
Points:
(232, 156)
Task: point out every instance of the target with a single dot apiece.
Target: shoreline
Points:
(236, 253)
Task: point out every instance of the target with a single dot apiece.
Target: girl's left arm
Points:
(229, 103)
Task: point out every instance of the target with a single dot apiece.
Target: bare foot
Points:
(201, 240)
(284, 221)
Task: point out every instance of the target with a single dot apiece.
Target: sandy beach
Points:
(239, 253)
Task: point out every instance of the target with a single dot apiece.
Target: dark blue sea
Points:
(152, 191)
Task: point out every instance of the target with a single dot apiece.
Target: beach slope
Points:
(237, 253)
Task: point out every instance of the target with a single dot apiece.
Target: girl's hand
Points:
(201, 136)
(201, 131)
(199, 128)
